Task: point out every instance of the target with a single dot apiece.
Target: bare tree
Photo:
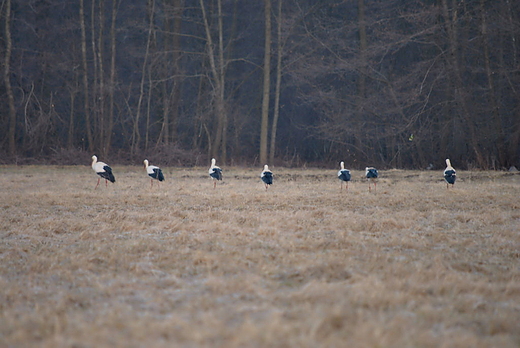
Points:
(7, 78)
(218, 81)
(85, 75)
(112, 81)
(136, 134)
(450, 15)
(277, 95)
(170, 71)
(267, 84)
(100, 101)
(497, 123)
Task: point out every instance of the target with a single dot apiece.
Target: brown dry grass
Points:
(301, 265)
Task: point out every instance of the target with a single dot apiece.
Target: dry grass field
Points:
(301, 265)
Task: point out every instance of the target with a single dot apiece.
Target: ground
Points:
(303, 264)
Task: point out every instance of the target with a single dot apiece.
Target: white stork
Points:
(267, 177)
(103, 170)
(343, 175)
(215, 172)
(154, 172)
(450, 175)
(371, 175)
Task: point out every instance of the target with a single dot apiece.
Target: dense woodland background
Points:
(393, 83)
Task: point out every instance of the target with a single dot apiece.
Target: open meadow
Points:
(300, 265)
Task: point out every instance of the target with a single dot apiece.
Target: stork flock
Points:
(104, 171)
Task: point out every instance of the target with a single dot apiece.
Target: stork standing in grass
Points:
(103, 170)
(215, 172)
(267, 177)
(450, 175)
(344, 176)
(154, 172)
(371, 175)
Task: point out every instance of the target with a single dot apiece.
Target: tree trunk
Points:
(171, 95)
(7, 79)
(136, 135)
(110, 126)
(267, 80)
(512, 24)
(164, 136)
(358, 139)
(276, 113)
(70, 134)
(94, 105)
(101, 80)
(223, 151)
(85, 75)
(453, 61)
(148, 113)
(362, 26)
(498, 131)
(218, 81)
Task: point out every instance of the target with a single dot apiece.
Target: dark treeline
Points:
(394, 83)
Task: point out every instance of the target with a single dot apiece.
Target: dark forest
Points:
(393, 83)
